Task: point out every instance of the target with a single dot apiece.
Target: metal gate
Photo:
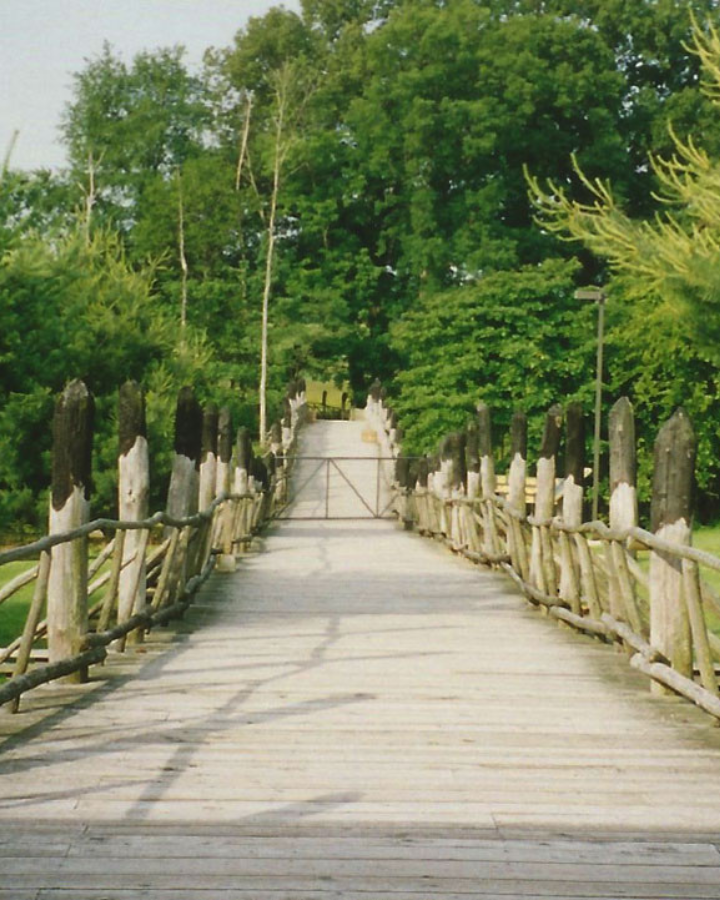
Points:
(339, 487)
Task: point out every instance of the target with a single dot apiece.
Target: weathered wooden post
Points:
(383, 409)
(399, 437)
(392, 428)
(542, 561)
(207, 483)
(224, 448)
(276, 449)
(133, 498)
(243, 485)
(488, 483)
(243, 461)
(276, 438)
(517, 477)
(224, 533)
(183, 491)
(292, 399)
(671, 515)
(261, 475)
(208, 456)
(301, 392)
(472, 454)
(402, 479)
(182, 500)
(572, 504)
(372, 407)
(623, 495)
(287, 426)
(456, 474)
(421, 496)
(67, 610)
(623, 509)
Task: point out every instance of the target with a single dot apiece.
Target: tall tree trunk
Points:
(183, 259)
(279, 155)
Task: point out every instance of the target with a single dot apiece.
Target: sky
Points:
(43, 42)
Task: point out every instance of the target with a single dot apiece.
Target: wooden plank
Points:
(356, 712)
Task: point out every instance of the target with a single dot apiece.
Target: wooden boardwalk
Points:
(355, 714)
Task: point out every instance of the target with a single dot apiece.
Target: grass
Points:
(14, 611)
(334, 394)
(708, 538)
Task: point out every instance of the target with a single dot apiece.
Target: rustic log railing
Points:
(641, 590)
(150, 566)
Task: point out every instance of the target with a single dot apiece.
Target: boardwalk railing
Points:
(148, 567)
(642, 590)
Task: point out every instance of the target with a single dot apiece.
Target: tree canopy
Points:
(400, 235)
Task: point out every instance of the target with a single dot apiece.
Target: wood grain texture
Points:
(357, 713)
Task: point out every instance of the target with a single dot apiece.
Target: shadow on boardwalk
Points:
(356, 713)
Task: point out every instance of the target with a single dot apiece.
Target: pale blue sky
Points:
(42, 42)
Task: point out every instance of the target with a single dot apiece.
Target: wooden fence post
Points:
(455, 448)
(243, 461)
(287, 425)
(623, 495)
(276, 438)
(422, 499)
(67, 606)
(392, 428)
(517, 477)
(383, 408)
(292, 399)
(183, 491)
(372, 407)
(224, 447)
(472, 452)
(243, 483)
(133, 498)
(671, 514)
(623, 507)
(224, 535)
(208, 456)
(572, 505)
(518, 462)
(542, 560)
(402, 477)
(488, 483)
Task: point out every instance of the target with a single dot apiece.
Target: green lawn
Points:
(708, 538)
(334, 394)
(14, 610)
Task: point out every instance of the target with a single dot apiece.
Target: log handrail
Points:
(160, 582)
(583, 573)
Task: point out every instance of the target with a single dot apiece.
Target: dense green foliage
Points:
(405, 246)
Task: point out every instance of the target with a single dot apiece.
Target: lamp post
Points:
(597, 295)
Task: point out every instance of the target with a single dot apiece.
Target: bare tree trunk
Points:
(8, 153)
(183, 260)
(244, 142)
(90, 195)
(279, 155)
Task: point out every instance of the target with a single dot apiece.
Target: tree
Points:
(135, 123)
(513, 339)
(676, 255)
